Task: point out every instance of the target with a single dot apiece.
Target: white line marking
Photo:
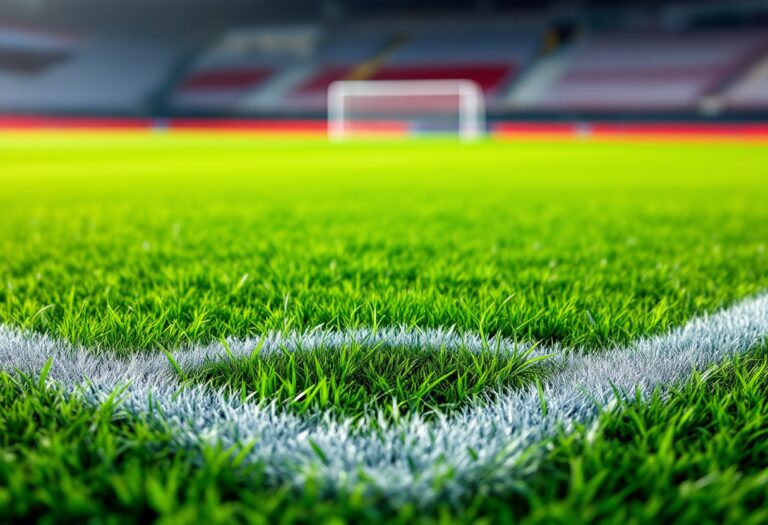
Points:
(411, 460)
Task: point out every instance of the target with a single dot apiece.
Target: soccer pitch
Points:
(224, 328)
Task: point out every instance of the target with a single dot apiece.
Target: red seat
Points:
(488, 76)
(230, 78)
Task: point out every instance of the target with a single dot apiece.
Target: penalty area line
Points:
(411, 460)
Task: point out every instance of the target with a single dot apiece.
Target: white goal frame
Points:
(470, 110)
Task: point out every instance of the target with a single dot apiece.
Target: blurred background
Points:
(274, 59)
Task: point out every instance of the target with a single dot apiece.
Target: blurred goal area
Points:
(360, 109)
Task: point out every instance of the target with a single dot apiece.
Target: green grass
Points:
(699, 456)
(358, 379)
(137, 242)
(65, 462)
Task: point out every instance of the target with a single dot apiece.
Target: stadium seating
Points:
(342, 55)
(750, 91)
(31, 52)
(636, 71)
(220, 87)
(490, 54)
(489, 57)
(48, 72)
(287, 70)
(487, 76)
(241, 62)
(647, 71)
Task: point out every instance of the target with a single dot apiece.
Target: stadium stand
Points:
(26, 51)
(281, 71)
(48, 72)
(751, 90)
(489, 58)
(346, 54)
(490, 53)
(646, 71)
(233, 76)
(241, 62)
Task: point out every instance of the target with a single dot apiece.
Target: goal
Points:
(364, 108)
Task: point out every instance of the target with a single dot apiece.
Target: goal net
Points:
(364, 108)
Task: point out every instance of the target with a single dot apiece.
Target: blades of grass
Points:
(318, 451)
(542, 398)
(44, 372)
(175, 365)
(256, 352)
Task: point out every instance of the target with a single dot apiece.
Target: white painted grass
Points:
(485, 447)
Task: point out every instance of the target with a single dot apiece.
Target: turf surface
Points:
(699, 456)
(142, 243)
(355, 379)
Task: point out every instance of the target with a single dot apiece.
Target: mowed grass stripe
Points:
(153, 242)
(484, 447)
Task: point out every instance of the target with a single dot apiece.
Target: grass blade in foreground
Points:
(481, 446)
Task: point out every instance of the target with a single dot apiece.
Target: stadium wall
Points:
(500, 129)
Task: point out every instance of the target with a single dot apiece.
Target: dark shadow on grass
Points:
(358, 380)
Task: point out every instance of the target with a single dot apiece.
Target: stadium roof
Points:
(187, 16)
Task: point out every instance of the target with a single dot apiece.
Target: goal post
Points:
(360, 108)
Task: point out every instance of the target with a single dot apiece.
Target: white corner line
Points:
(409, 460)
